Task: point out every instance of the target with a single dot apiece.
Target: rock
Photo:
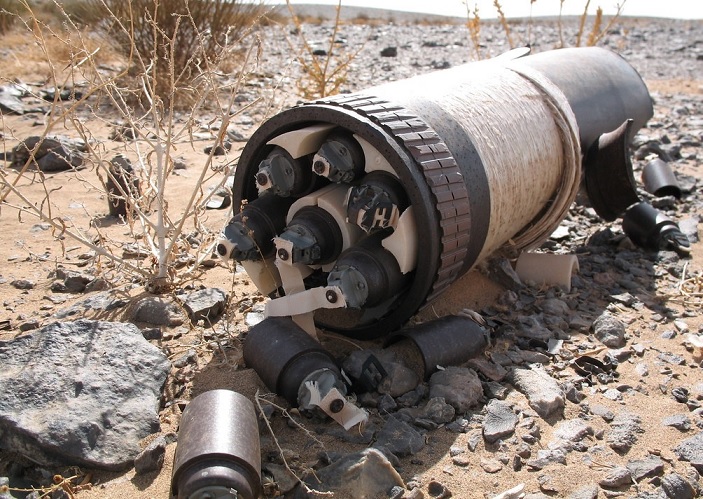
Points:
(61, 94)
(207, 304)
(493, 371)
(219, 149)
(122, 186)
(494, 390)
(616, 478)
(572, 431)
(48, 154)
(532, 329)
(285, 480)
(399, 438)
(438, 411)
(514, 493)
(10, 104)
(491, 465)
(23, 284)
(389, 52)
(542, 391)
(501, 271)
(589, 491)
(623, 432)
(689, 227)
(82, 393)
(368, 473)
(677, 487)
(691, 450)
(609, 330)
(156, 310)
(460, 387)
(555, 306)
(545, 457)
(57, 160)
(152, 457)
(399, 379)
(546, 484)
(647, 467)
(123, 133)
(603, 412)
(679, 421)
(500, 421)
(105, 301)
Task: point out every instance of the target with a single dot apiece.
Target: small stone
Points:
(677, 487)
(500, 421)
(589, 491)
(399, 438)
(679, 421)
(609, 330)
(546, 484)
(460, 387)
(152, 457)
(645, 468)
(491, 465)
(616, 478)
(542, 391)
(623, 433)
(22, 284)
(572, 430)
(691, 450)
(473, 440)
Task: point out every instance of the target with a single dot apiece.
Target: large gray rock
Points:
(542, 391)
(367, 473)
(80, 393)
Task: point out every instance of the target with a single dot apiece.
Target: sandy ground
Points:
(32, 251)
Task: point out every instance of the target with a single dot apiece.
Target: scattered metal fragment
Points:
(294, 365)
(547, 268)
(649, 228)
(659, 179)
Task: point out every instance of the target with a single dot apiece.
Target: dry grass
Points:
(594, 35)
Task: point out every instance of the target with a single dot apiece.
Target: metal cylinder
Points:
(487, 154)
(659, 179)
(284, 356)
(447, 341)
(367, 273)
(218, 453)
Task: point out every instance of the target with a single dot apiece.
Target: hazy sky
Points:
(681, 9)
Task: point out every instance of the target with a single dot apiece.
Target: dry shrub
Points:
(160, 131)
(323, 74)
(175, 39)
(7, 15)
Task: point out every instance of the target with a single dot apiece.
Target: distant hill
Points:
(328, 12)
